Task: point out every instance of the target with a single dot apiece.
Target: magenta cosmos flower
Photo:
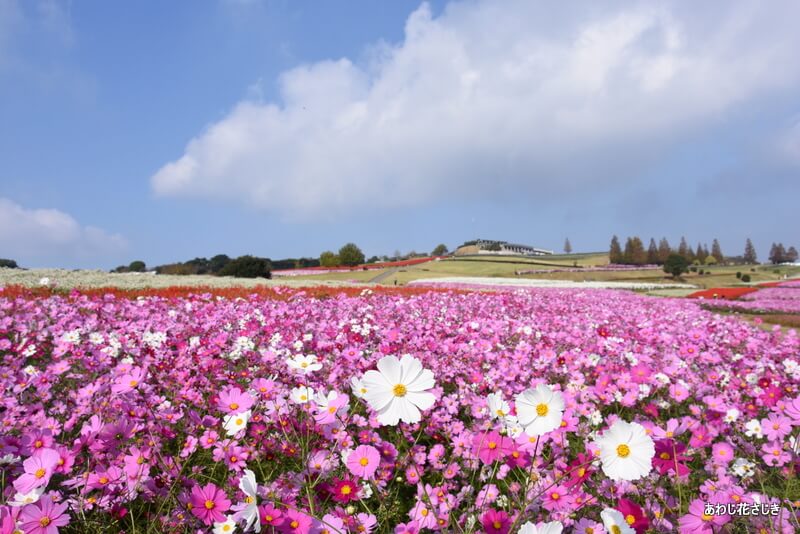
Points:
(43, 517)
(38, 470)
(128, 381)
(496, 522)
(232, 400)
(698, 522)
(363, 461)
(209, 503)
(489, 447)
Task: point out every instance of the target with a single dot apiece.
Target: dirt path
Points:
(383, 276)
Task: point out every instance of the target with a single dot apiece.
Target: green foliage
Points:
(711, 260)
(328, 259)
(10, 264)
(247, 267)
(745, 278)
(137, 266)
(351, 255)
(615, 251)
(218, 262)
(440, 250)
(676, 265)
(739, 274)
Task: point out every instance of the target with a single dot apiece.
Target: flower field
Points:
(772, 299)
(283, 410)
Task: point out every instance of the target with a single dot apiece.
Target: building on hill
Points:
(502, 248)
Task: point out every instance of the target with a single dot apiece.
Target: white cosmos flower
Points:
(398, 390)
(553, 527)
(753, 429)
(22, 499)
(498, 408)
(304, 363)
(302, 394)
(225, 527)
(626, 451)
(615, 522)
(248, 511)
(540, 410)
(357, 385)
(233, 423)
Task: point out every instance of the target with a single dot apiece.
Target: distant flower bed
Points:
(593, 269)
(722, 293)
(511, 283)
(766, 300)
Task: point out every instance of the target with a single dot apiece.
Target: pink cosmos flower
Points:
(364, 461)
(698, 522)
(774, 455)
(412, 527)
(557, 499)
(297, 523)
(496, 522)
(232, 400)
(776, 427)
(129, 381)
(792, 410)
(722, 453)
(270, 516)
(38, 470)
(44, 517)
(209, 503)
(492, 446)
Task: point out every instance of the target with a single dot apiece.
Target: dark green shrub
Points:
(738, 274)
(10, 264)
(247, 267)
(745, 278)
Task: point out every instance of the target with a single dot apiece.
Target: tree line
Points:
(635, 252)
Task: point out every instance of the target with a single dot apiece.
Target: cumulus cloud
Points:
(36, 236)
(490, 97)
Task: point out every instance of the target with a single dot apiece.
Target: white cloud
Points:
(492, 96)
(34, 236)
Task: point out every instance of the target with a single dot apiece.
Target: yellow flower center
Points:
(346, 490)
(363, 462)
(400, 390)
(630, 519)
(226, 528)
(209, 504)
(542, 409)
(103, 480)
(233, 459)
(497, 524)
(581, 471)
(331, 410)
(233, 406)
(492, 445)
(424, 513)
(304, 365)
(615, 529)
(664, 456)
(40, 473)
(501, 413)
(134, 383)
(555, 496)
(44, 521)
(240, 421)
(249, 499)
(707, 517)
(623, 451)
(294, 524)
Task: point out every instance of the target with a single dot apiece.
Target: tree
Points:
(777, 253)
(137, 266)
(700, 253)
(615, 251)
(8, 264)
(664, 250)
(676, 265)
(750, 252)
(710, 260)
(567, 247)
(440, 250)
(683, 249)
(716, 251)
(351, 255)
(247, 267)
(791, 255)
(638, 253)
(652, 252)
(218, 262)
(328, 259)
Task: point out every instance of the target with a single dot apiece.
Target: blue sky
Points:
(162, 131)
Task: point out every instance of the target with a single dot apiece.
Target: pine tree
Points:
(615, 251)
(627, 256)
(773, 253)
(664, 250)
(716, 251)
(652, 252)
(567, 247)
(700, 253)
(750, 256)
(638, 253)
(683, 250)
